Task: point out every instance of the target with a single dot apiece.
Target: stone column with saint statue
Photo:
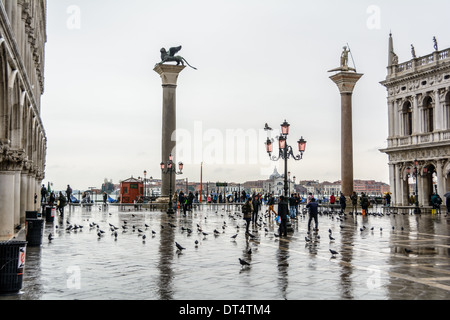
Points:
(346, 78)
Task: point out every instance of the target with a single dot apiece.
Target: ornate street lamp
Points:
(285, 152)
(170, 168)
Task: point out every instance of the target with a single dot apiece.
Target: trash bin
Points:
(12, 265)
(31, 214)
(50, 214)
(35, 231)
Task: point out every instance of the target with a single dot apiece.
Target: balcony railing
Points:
(418, 63)
(419, 139)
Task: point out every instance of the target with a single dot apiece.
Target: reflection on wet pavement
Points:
(379, 256)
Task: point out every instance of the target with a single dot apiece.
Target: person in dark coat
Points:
(313, 207)
(342, 202)
(256, 206)
(283, 212)
(447, 203)
(247, 210)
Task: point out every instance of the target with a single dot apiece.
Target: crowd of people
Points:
(288, 207)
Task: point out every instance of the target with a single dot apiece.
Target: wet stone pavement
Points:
(371, 264)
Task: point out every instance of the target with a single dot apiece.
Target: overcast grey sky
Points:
(258, 61)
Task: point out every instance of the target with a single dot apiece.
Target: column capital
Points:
(169, 73)
(346, 81)
(12, 160)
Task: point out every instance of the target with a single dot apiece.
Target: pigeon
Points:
(307, 239)
(144, 237)
(251, 235)
(196, 242)
(333, 252)
(179, 246)
(234, 237)
(408, 250)
(243, 263)
(153, 232)
(50, 237)
(267, 128)
(331, 238)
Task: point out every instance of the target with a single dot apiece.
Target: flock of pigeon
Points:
(265, 225)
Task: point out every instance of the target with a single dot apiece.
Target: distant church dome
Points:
(275, 175)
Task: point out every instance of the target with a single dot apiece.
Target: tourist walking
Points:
(313, 207)
(364, 203)
(256, 202)
(271, 203)
(247, 210)
(292, 202)
(283, 212)
(62, 202)
(332, 201)
(43, 194)
(387, 199)
(69, 193)
(436, 202)
(342, 202)
(354, 198)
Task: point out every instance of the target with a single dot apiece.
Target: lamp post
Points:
(416, 171)
(285, 152)
(145, 185)
(170, 169)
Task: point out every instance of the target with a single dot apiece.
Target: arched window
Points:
(407, 119)
(447, 111)
(428, 112)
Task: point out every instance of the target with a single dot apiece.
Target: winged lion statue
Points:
(170, 56)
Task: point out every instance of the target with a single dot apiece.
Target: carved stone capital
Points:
(12, 160)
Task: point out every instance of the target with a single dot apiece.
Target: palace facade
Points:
(418, 144)
(23, 141)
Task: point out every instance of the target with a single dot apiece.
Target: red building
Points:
(130, 190)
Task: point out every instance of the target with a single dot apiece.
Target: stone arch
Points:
(447, 111)
(446, 170)
(16, 112)
(407, 117)
(428, 113)
(428, 170)
(4, 107)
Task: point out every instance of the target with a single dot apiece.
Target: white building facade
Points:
(23, 141)
(419, 125)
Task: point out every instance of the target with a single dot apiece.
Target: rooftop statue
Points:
(436, 47)
(344, 62)
(171, 57)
